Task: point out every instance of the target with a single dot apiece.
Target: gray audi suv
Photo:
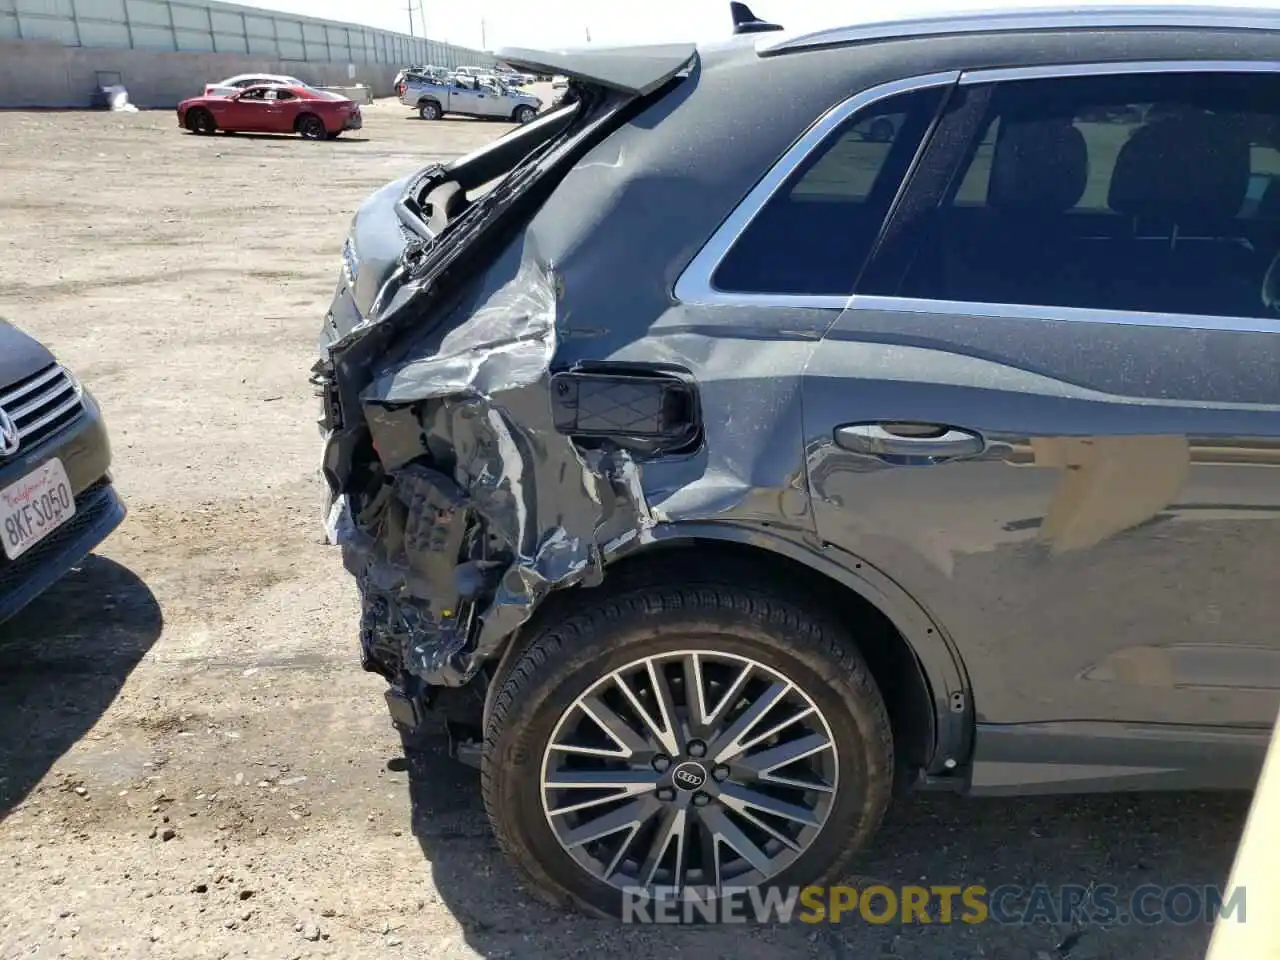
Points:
(797, 420)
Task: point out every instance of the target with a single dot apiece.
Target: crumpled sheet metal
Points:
(541, 501)
(507, 343)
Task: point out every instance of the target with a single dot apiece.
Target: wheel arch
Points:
(921, 675)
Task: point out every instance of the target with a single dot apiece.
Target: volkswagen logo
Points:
(689, 775)
(10, 438)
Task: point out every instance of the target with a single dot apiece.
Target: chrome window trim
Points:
(1064, 71)
(694, 285)
(1134, 15)
(1021, 311)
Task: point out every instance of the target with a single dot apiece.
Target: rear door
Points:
(1051, 411)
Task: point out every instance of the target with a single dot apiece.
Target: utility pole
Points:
(426, 38)
(587, 30)
(410, 9)
(484, 45)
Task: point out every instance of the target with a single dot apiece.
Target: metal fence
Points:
(212, 27)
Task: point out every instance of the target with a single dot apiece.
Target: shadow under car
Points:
(63, 660)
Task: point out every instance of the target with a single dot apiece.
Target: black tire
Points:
(524, 114)
(311, 127)
(200, 121)
(565, 658)
(430, 110)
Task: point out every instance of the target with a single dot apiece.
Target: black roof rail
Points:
(1054, 15)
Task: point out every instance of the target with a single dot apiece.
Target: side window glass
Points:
(284, 95)
(973, 187)
(1154, 193)
(813, 235)
(847, 170)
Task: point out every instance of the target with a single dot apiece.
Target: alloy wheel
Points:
(689, 771)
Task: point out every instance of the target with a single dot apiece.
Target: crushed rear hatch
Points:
(467, 476)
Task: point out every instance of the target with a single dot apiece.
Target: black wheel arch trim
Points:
(940, 664)
(936, 656)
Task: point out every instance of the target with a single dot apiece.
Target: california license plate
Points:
(33, 507)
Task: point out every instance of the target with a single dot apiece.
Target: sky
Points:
(487, 24)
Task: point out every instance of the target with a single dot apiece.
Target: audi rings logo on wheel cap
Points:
(10, 437)
(689, 775)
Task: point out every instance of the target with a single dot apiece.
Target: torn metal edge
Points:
(487, 475)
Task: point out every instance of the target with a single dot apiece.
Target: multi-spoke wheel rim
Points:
(689, 771)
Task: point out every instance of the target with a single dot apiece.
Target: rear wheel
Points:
(698, 739)
(524, 114)
(201, 121)
(310, 127)
(429, 110)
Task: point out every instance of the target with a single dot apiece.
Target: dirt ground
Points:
(197, 679)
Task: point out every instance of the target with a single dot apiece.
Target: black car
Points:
(724, 468)
(57, 502)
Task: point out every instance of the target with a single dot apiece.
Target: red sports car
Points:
(272, 108)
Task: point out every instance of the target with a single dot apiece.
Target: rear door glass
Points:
(813, 235)
(1150, 193)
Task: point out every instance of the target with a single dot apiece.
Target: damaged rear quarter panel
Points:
(531, 510)
(519, 500)
(462, 419)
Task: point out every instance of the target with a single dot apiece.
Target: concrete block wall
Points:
(167, 49)
(39, 74)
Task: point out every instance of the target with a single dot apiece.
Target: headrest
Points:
(1039, 166)
(1184, 168)
(1269, 205)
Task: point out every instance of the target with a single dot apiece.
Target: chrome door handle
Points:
(916, 441)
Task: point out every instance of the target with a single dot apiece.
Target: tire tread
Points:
(565, 645)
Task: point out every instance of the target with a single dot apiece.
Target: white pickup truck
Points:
(470, 97)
